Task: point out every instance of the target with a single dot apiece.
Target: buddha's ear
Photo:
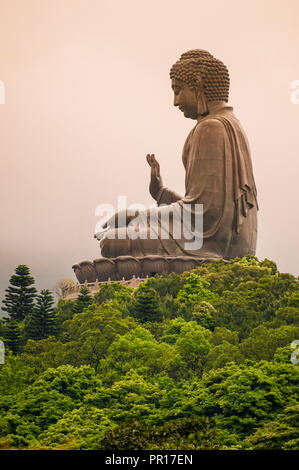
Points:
(202, 107)
(198, 80)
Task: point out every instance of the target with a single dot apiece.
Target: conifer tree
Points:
(84, 299)
(2, 329)
(20, 295)
(42, 322)
(13, 336)
(146, 304)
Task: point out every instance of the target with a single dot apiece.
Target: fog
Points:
(87, 96)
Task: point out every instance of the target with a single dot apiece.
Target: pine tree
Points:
(42, 322)
(12, 336)
(2, 329)
(146, 304)
(20, 295)
(84, 299)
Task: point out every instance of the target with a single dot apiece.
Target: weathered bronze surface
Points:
(219, 176)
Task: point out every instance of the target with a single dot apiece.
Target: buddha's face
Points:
(185, 98)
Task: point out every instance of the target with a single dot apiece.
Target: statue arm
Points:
(166, 196)
(160, 193)
(204, 169)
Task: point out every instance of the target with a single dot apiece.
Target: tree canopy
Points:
(200, 360)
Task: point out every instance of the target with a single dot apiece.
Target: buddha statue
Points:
(219, 188)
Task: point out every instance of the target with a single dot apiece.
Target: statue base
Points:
(127, 267)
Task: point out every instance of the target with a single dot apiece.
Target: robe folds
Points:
(219, 186)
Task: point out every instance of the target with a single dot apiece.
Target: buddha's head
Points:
(197, 80)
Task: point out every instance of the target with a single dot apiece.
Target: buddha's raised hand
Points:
(156, 180)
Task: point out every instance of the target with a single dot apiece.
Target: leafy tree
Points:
(225, 349)
(156, 328)
(229, 275)
(42, 354)
(131, 397)
(20, 295)
(15, 376)
(195, 290)
(283, 355)
(90, 333)
(204, 314)
(105, 293)
(191, 341)
(112, 290)
(63, 311)
(223, 354)
(42, 322)
(249, 292)
(166, 284)
(173, 330)
(172, 308)
(137, 350)
(80, 429)
(263, 342)
(206, 366)
(85, 340)
(131, 435)
(193, 345)
(244, 397)
(287, 312)
(281, 433)
(54, 393)
(189, 433)
(221, 335)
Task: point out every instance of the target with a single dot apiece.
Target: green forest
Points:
(200, 360)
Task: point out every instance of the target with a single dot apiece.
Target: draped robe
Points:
(219, 176)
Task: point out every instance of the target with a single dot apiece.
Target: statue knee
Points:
(105, 245)
(115, 244)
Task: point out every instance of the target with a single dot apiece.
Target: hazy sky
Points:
(88, 96)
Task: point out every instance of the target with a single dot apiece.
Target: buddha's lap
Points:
(120, 242)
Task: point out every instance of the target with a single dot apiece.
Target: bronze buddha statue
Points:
(219, 187)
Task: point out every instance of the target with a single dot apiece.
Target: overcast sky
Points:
(88, 96)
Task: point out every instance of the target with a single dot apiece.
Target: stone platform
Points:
(127, 267)
(74, 290)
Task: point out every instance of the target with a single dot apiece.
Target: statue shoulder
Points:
(211, 122)
(210, 126)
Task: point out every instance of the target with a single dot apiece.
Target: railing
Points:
(95, 286)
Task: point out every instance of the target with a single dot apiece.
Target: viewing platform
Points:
(73, 291)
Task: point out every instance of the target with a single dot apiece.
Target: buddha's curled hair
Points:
(212, 71)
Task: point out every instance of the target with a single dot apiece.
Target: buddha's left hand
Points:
(120, 219)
